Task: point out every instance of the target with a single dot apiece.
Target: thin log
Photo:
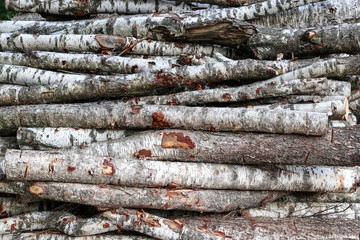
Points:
(305, 209)
(325, 13)
(269, 88)
(7, 143)
(104, 44)
(68, 7)
(112, 115)
(275, 228)
(110, 197)
(22, 165)
(59, 138)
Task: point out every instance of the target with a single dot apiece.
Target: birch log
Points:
(58, 138)
(104, 44)
(10, 206)
(6, 143)
(112, 115)
(275, 228)
(110, 197)
(40, 235)
(21, 165)
(68, 7)
(264, 89)
(330, 12)
(305, 209)
(337, 148)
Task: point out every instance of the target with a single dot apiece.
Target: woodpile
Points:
(180, 120)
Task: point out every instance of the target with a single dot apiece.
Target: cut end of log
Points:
(36, 190)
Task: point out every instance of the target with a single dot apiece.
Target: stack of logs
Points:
(180, 120)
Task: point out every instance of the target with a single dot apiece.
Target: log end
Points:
(36, 190)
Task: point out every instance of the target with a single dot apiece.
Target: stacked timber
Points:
(180, 120)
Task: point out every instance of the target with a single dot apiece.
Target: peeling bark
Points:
(112, 115)
(274, 228)
(111, 197)
(305, 209)
(81, 8)
(58, 138)
(21, 165)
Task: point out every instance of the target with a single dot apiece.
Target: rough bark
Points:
(40, 235)
(337, 88)
(330, 12)
(256, 90)
(81, 8)
(338, 147)
(110, 197)
(6, 143)
(112, 115)
(59, 138)
(104, 44)
(22, 165)
(275, 228)
(350, 122)
(305, 209)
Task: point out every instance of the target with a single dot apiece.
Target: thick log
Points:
(110, 197)
(22, 165)
(7, 143)
(275, 228)
(59, 138)
(79, 8)
(269, 88)
(104, 44)
(112, 115)
(305, 209)
(40, 235)
(325, 13)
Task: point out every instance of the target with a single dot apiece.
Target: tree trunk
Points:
(337, 148)
(330, 12)
(264, 89)
(67, 167)
(274, 228)
(305, 210)
(112, 115)
(111, 197)
(80, 8)
(58, 138)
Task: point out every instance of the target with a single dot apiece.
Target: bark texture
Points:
(112, 115)
(10, 206)
(21, 165)
(6, 143)
(338, 147)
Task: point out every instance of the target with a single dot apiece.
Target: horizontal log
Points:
(337, 148)
(7, 143)
(113, 115)
(22, 165)
(305, 210)
(110, 197)
(58, 138)
(275, 228)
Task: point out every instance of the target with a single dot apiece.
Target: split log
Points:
(338, 147)
(7, 143)
(79, 8)
(275, 228)
(103, 44)
(58, 138)
(40, 235)
(112, 115)
(111, 197)
(22, 165)
(305, 210)
(325, 13)
(270, 88)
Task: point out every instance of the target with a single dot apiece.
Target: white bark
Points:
(353, 197)
(306, 209)
(21, 165)
(58, 138)
(10, 206)
(351, 121)
(79, 8)
(338, 88)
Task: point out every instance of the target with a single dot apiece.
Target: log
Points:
(68, 7)
(275, 228)
(10, 206)
(7, 143)
(59, 138)
(305, 210)
(264, 89)
(113, 115)
(110, 197)
(325, 13)
(337, 88)
(350, 122)
(104, 44)
(23, 165)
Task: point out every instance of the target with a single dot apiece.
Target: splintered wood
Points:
(201, 119)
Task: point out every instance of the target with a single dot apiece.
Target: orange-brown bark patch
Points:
(71, 168)
(159, 120)
(143, 153)
(174, 224)
(177, 141)
(226, 96)
(152, 221)
(108, 167)
(135, 109)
